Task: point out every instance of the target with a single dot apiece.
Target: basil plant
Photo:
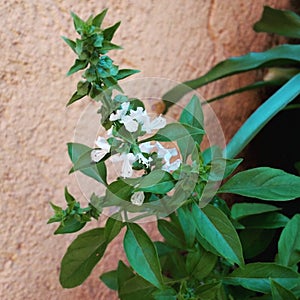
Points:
(208, 250)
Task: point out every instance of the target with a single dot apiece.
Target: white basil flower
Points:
(120, 112)
(130, 124)
(137, 198)
(146, 147)
(98, 154)
(128, 159)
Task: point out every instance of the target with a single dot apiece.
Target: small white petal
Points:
(128, 160)
(158, 123)
(137, 198)
(97, 155)
(120, 112)
(102, 143)
(125, 106)
(146, 147)
(130, 124)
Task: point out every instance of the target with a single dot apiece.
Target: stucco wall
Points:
(173, 39)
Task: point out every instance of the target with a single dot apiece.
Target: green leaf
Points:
(211, 291)
(269, 220)
(124, 273)
(187, 224)
(252, 86)
(192, 115)
(281, 293)
(221, 168)
(136, 288)
(282, 22)
(109, 46)
(168, 294)
(75, 97)
(289, 243)
(255, 276)
(71, 43)
(110, 279)
(262, 116)
(283, 54)
(113, 227)
(110, 31)
(157, 182)
(200, 263)
(142, 255)
(124, 73)
(172, 234)
(79, 24)
(241, 210)
(97, 21)
(264, 183)
(78, 65)
(214, 227)
(81, 257)
(255, 241)
(176, 131)
(80, 157)
(71, 224)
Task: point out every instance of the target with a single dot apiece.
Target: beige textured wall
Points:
(172, 39)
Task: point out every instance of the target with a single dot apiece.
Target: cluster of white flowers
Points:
(164, 153)
(137, 117)
(132, 119)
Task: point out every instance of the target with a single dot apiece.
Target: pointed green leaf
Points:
(289, 243)
(282, 22)
(71, 43)
(255, 241)
(262, 116)
(136, 288)
(214, 227)
(200, 263)
(157, 182)
(281, 293)
(123, 73)
(97, 21)
(241, 210)
(110, 279)
(113, 227)
(192, 115)
(172, 234)
(81, 257)
(187, 224)
(79, 24)
(142, 255)
(70, 225)
(270, 220)
(176, 131)
(78, 65)
(211, 291)
(79, 155)
(256, 277)
(273, 57)
(110, 31)
(168, 294)
(264, 183)
(221, 168)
